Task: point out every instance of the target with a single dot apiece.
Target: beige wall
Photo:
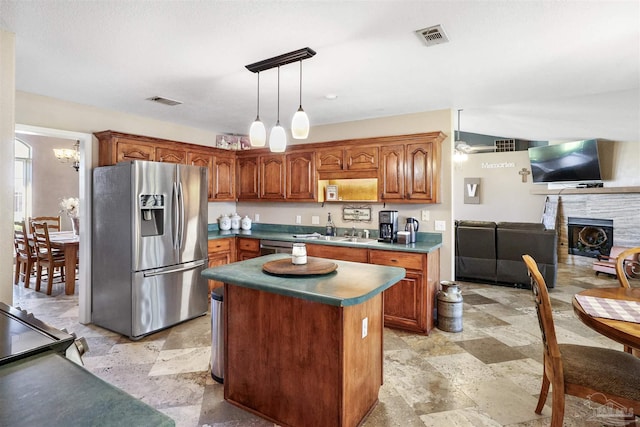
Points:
(503, 195)
(7, 98)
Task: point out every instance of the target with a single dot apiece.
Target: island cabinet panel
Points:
(301, 179)
(338, 252)
(272, 177)
(247, 182)
(247, 248)
(391, 181)
(220, 252)
(319, 372)
(409, 303)
(224, 178)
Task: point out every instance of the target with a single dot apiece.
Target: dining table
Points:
(613, 312)
(69, 243)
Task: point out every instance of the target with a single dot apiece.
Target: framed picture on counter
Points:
(332, 192)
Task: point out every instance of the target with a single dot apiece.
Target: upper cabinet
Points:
(117, 147)
(272, 177)
(407, 167)
(410, 169)
(301, 178)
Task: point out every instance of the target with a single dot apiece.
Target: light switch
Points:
(425, 215)
(315, 220)
(298, 219)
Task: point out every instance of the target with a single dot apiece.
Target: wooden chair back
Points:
(26, 256)
(602, 375)
(628, 267)
(48, 257)
(52, 221)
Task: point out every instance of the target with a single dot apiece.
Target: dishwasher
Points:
(268, 247)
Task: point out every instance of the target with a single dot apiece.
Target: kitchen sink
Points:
(358, 240)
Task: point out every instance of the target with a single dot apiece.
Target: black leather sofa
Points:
(491, 252)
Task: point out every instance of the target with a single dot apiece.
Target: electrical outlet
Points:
(425, 215)
(365, 327)
(256, 217)
(298, 219)
(440, 226)
(315, 220)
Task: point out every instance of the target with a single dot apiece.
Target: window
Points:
(22, 181)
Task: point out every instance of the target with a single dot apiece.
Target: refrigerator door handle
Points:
(174, 217)
(174, 269)
(181, 216)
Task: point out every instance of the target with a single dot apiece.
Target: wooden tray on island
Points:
(314, 266)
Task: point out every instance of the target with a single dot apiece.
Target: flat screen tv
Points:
(568, 162)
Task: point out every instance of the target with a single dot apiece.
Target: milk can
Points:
(449, 307)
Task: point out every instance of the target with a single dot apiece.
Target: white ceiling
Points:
(541, 70)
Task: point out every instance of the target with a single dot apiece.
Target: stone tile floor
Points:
(487, 375)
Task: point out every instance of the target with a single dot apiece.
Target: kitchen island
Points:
(304, 350)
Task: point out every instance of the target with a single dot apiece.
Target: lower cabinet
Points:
(410, 303)
(247, 248)
(338, 252)
(221, 252)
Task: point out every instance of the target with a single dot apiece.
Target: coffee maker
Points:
(388, 221)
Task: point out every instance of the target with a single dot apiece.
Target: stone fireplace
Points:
(589, 237)
(623, 208)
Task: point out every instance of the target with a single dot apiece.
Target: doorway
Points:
(84, 194)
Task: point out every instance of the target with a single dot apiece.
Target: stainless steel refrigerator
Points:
(149, 246)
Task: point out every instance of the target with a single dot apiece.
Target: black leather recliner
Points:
(492, 252)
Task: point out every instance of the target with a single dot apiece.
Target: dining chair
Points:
(52, 221)
(602, 375)
(627, 269)
(26, 258)
(628, 266)
(47, 257)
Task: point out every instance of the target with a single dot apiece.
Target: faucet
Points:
(353, 231)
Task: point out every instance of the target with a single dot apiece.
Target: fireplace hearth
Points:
(589, 237)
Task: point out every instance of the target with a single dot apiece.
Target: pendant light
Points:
(257, 131)
(278, 137)
(300, 121)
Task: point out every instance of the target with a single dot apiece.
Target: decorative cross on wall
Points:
(524, 172)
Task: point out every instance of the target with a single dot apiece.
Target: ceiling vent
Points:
(165, 101)
(432, 36)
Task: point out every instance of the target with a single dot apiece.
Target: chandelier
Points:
(300, 122)
(69, 155)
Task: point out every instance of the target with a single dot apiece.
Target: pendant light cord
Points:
(278, 121)
(258, 106)
(300, 83)
(459, 125)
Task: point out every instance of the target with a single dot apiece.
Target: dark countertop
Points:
(49, 390)
(352, 283)
(427, 242)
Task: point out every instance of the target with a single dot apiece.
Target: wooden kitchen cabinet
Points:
(247, 248)
(272, 177)
(221, 252)
(361, 158)
(391, 179)
(171, 155)
(116, 147)
(409, 304)
(301, 180)
(338, 252)
(330, 159)
(247, 180)
(223, 177)
(410, 172)
(203, 159)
